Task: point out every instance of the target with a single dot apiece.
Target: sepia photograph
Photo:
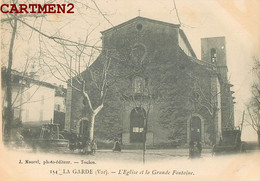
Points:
(123, 90)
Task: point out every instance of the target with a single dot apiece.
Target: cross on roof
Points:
(139, 12)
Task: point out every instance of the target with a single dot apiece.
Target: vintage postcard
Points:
(130, 89)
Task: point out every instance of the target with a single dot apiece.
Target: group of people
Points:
(195, 149)
(83, 145)
(86, 146)
(91, 147)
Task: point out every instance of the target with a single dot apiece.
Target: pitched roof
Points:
(182, 34)
(26, 77)
(207, 65)
(141, 18)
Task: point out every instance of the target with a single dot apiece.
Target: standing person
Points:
(93, 146)
(88, 147)
(19, 141)
(81, 144)
(199, 148)
(196, 150)
(116, 146)
(191, 149)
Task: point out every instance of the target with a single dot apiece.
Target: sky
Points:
(237, 20)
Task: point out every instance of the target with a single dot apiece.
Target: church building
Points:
(156, 82)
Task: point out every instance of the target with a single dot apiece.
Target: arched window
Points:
(213, 54)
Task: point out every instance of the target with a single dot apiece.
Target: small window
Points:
(213, 55)
(139, 84)
(57, 107)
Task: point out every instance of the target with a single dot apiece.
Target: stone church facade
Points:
(157, 79)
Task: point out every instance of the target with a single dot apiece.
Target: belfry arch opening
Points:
(213, 54)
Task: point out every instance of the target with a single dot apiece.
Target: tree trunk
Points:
(91, 126)
(258, 136)
(145, 136)
(144, 145)
(9, 109)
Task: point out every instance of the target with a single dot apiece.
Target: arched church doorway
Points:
(137, 117)
(83, 128)
(195, 129)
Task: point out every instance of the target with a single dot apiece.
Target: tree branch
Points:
(59, 40)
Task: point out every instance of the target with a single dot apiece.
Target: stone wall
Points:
(152, 53)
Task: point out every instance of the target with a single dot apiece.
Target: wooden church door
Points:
(195, 129)
(137, 125)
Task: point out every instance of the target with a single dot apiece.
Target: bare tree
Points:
(201, 99)
(101, 84)
(34, 24)
(9, 110)
(75, 68)
(254, 105)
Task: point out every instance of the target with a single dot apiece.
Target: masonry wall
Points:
(227, 106)
(152, 53)
(38, 104)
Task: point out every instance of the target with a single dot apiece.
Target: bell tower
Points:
(213, 50)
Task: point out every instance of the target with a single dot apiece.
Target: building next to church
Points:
(155, 75)
(35, 102)
(59, 106)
